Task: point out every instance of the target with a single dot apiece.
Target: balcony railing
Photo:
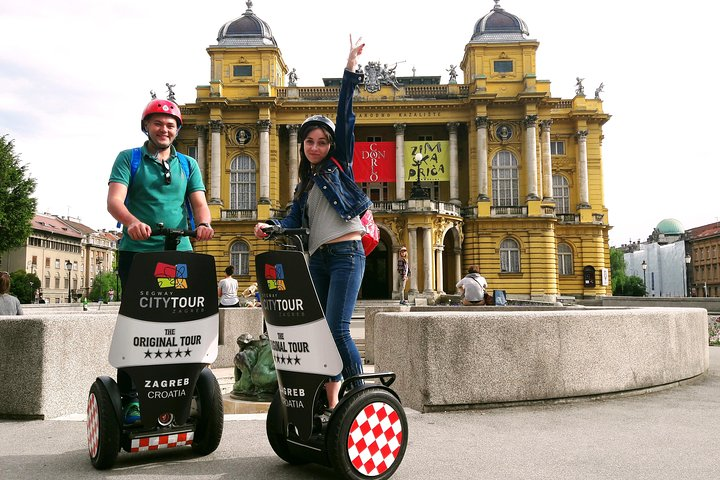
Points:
(239, 214)
(568, 217)
(508, 211)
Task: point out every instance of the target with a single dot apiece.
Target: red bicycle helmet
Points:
(161, 106)
(315, 121)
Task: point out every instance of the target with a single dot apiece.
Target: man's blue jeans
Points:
(337, 270)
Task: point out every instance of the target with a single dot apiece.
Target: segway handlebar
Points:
(172, 235)
(294, 235)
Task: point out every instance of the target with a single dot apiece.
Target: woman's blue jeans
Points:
(337, 270)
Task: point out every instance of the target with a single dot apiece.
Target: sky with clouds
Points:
(75, 76)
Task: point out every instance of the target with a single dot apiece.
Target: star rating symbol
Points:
(148, 354)
(158, 354)
(178, 353)
(168, 353)
(297, 360)
(187, 352)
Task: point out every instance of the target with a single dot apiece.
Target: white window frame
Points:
(505, 180)
(243, 183)
(509, 256)
(561, 193)
(565, 259)
(240, 257)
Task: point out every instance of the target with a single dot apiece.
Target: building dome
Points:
(246, 31)
(670, 226)
(499, 26)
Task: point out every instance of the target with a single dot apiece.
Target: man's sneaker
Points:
(131, 412)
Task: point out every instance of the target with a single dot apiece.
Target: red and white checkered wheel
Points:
(103, 428)
(375, 439)
(93, 425)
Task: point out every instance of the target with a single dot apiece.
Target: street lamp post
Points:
(644, 267)
(69, 267)
(418, 192)
(686, 278)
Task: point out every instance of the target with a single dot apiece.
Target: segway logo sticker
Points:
(171, 276)
(275, 276)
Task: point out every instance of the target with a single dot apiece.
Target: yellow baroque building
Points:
(508, 178)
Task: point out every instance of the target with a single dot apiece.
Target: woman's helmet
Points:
(161, 106)
(315, 121)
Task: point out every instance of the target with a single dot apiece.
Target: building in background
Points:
(65, 255)
(704, 248)
(509, 176)
(663, 261)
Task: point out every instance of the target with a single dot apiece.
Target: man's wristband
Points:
(204, 224)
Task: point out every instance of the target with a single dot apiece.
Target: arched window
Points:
(240, 258)
(509, 256)
(242, 183)
(561, 194)
(565, 259)
(505, 184)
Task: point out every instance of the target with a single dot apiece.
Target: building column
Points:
(215, 164)
(201, 148)
(454, 172)
(481, 124)
(439, 269)
(292, 160)
(412, 249)
(395, 276)
(427, 259)
(458, 265)
(400, 161)
(264, 127)
(531, 156)
(547, 186)
(583, 169)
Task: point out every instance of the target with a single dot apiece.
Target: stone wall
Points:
(50, 357)
(476, 359)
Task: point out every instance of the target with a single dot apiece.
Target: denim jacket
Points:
(337, 184)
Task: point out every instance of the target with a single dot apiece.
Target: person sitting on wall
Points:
(472, 287)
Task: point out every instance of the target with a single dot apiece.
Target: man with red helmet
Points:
(156, 191)
(151, 185)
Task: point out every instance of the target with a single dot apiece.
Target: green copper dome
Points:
(670, 226)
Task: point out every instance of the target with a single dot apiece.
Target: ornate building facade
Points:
(494, 171)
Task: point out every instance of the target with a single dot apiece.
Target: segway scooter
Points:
(365, 435)
(165, 336)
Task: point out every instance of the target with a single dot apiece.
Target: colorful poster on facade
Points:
(374, 162)
(434, 165)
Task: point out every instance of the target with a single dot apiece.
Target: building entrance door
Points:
(377, 280)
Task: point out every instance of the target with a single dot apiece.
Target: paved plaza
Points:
(668, 434)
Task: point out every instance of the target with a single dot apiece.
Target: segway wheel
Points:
(103, 429)
(210, 414)
(275, 429)
(367, 435)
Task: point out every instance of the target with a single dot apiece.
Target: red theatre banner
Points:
(374, 162)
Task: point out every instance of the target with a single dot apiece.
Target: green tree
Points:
(103, 283)
(24, 285)
(17, 205)
(617, 268)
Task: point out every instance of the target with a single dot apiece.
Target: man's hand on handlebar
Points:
(139, 231)
(204, 232)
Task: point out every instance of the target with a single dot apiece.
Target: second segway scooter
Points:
(366, 434)
(165, 337)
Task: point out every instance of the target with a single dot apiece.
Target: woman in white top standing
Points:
(227, 289)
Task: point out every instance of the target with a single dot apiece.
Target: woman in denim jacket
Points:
(329, 202)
